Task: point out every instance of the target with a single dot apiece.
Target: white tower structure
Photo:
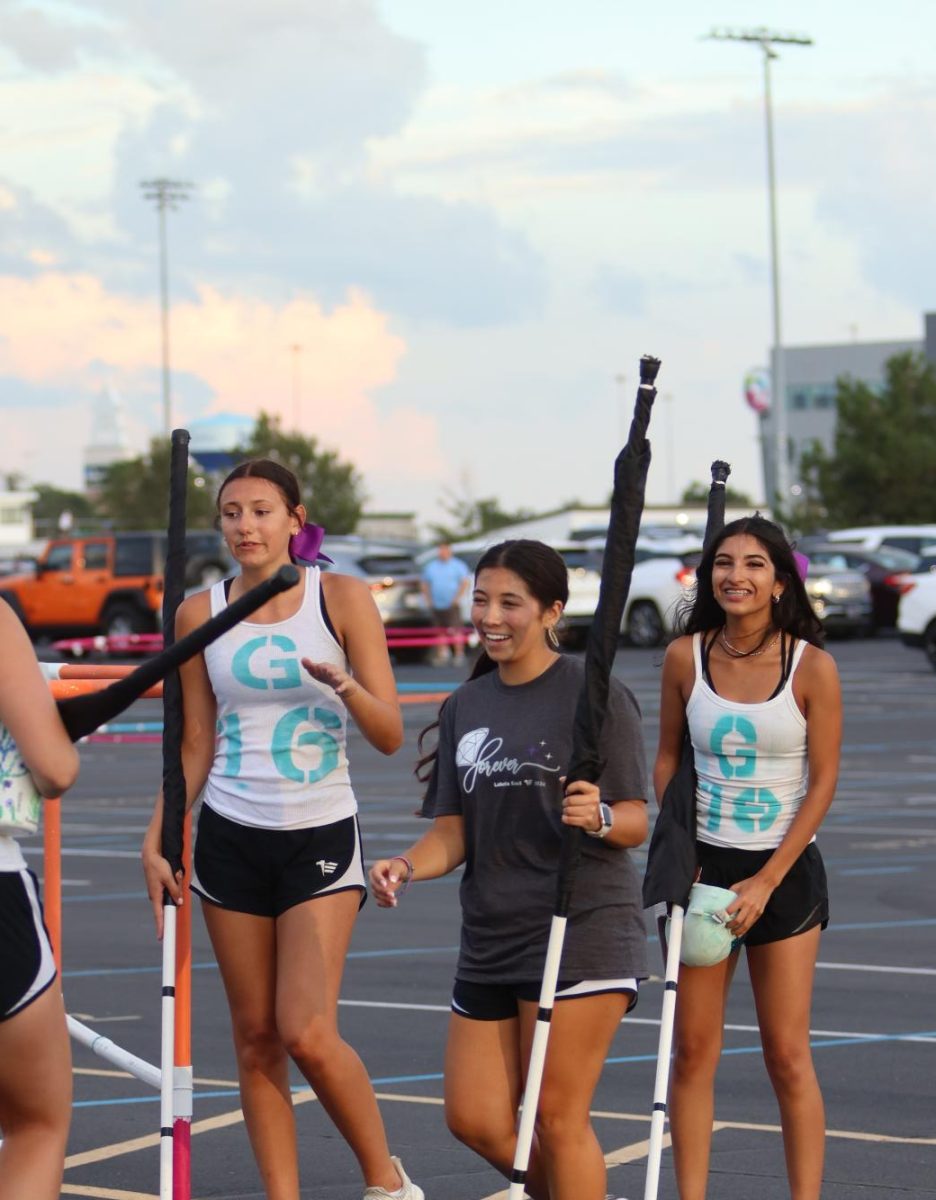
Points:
(108, 443)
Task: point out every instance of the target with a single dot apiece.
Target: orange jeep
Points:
(106, 583)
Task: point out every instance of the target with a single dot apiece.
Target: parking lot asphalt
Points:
(874, 1015)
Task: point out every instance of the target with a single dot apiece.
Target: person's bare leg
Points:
(312, 943)
(782, 979)
(700, 1017)
(245, 947)
(35, 1099)
(483, 1084)
(580, 1034)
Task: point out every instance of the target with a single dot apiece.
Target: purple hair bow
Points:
(305, 546)
(802, 564)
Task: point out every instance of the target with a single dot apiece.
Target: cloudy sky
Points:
(472, 218)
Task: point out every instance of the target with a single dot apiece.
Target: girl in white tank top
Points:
(762, 707)
(266, 711)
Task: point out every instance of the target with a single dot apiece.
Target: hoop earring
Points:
(552, 638)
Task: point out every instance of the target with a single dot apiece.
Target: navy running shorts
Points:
(500, 1001)
(264, 872)
(800, 901)
(27, 965)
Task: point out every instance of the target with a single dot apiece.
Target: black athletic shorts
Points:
(799, 902)
(27, 965)
(499, 1001)
(266, 871)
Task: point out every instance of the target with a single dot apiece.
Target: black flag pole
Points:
(671, 870)
(173, 814)
(81, 715)
(630, 480)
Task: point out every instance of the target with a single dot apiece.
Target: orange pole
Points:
(52, 871)
(94, 671)
(63, 688)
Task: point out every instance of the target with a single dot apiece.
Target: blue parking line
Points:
(437, 1076)
(90, 972)
(876, 871)
(404, 952)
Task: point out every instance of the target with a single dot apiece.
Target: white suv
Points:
(916, 617)
(872, 537)
(658, 584)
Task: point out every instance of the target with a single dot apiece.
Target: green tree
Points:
(883, 463)
(698, 493)
(51, 502)
(332, 490)
(472, 517)
(135, 494)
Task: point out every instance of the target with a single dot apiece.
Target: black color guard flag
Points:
(81, 715)
(173, 818)
(627, 500)
(671, 858)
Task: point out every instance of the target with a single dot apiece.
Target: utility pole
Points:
(296, 348)
(167, 194)
(766, 39)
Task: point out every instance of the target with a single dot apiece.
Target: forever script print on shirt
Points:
(477, 753)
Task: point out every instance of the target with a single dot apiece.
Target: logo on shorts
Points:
(326, 867)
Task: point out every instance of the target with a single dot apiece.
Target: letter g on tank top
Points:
(281, 750)
(751, 764)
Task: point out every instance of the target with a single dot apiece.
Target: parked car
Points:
(885, 570)
(106, 583)
(873, 537)
(916, 618)
(658, 584)
(391, 572)
(841, 600)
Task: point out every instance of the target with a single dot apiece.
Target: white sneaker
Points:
(407, 1191)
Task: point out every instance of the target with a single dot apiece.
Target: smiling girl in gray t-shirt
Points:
(498, 802)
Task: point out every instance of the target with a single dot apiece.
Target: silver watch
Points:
(607, 820)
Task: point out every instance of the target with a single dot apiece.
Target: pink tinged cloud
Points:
(67, 329)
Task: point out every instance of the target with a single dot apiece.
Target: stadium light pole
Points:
(166, 194)
(296, 350)
(767, 39)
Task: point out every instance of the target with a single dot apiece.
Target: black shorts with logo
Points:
(27, 965)
(500, 1001)
(264, 872)
(800, 901)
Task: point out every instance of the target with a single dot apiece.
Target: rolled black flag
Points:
(627, 500)
(173, 816)
(81, 715)
(671, 858)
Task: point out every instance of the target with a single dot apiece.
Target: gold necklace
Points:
(761, 648)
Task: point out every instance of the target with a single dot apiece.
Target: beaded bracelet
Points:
(409, 868)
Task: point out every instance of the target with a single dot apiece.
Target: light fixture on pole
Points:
(166, 194)
(767, 39)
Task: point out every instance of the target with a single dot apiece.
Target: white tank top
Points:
(750, 761)
(280, 757)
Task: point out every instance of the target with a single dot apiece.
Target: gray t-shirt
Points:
(502, 751)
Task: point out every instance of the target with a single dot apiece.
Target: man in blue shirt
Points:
(445, 580)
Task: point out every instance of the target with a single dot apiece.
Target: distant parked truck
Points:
(106, 583)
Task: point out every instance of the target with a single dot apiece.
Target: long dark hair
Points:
(793, 613)
(546, 576)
